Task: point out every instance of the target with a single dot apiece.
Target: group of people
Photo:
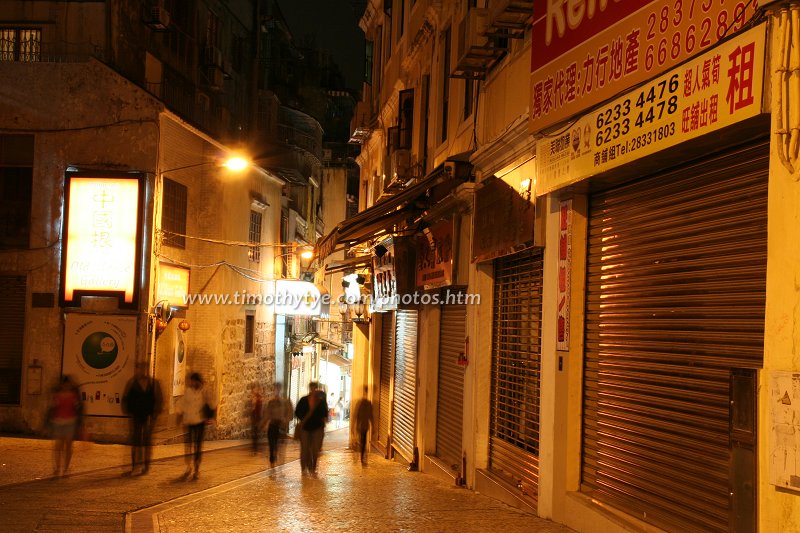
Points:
(142, 401)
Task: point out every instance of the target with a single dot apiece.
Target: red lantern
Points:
(161, 325)
(184, 325)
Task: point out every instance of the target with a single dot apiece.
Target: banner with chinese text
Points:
(587, 52)
(717, 89)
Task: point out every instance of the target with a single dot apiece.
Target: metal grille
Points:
(254, 252)
(20, 44)
(405, 384)
(387, 351)
(516, 332)
(676, 286)
(450, 400)
(12, 327)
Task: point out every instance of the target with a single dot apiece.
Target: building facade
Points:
(615, 193)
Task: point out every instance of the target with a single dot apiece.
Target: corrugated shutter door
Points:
(387, 350)
(405, 384)
(450, 400)
(516, 341)
(12, 328)
(676, 290)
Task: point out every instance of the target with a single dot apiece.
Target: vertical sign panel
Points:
(564, 272)
(102, 238)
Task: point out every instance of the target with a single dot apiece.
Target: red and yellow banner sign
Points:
(717, 89)
(586, 51)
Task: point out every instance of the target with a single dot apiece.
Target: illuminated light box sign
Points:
(717, 89)
(297, 298)
(173, 284)
(587, 51)
(102, 236)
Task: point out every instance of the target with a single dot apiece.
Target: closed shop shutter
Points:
(405, 384)
(516, 342)
(12, 327)
(450, 400)
(387, 354)
(676, 287)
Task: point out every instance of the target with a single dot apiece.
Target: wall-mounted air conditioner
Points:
(401, 166)
(473, 41)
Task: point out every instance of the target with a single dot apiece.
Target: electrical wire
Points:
(230, 243)
(82, 128)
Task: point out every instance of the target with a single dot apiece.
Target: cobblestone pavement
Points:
(236, 492)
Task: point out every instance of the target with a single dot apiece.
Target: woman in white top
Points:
(195, 410)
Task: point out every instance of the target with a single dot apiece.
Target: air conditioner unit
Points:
(214, 57)
(401, 166)
(158, 19)
(216, 79)
(473, 42)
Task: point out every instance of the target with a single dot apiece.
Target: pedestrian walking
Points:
(312, 413)
(362, 419)
(64, 418)
(279, 414)
(195, 410)
(142, 402)
(256, 408)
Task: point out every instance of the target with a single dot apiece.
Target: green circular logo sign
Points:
(99, 350)
(180, 351)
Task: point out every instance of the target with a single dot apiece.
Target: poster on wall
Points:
(564, 272)
(784, 422)
(179, 365)
(99, 354)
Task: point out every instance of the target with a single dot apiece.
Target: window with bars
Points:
(254, 252)
(173, 213)
(20, 44)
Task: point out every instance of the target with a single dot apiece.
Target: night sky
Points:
(334, 23)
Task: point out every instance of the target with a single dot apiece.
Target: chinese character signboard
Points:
(564, 272)
(392, 273)
(102, 237)
(435, 256)
(99, 352)
(173, 284)
(504, 218)
(714, 90)
(587, 51)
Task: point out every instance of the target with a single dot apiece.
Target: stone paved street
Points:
(236, 492)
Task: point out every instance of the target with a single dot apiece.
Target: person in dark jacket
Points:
(142, 402)
(312, 413)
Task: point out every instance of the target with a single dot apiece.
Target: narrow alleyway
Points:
(236, 493)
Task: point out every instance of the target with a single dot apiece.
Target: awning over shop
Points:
(350, 263)
(383, 216)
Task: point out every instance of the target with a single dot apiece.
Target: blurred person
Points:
(312, 413)
(195, 411)
(64, 418)
(142, 402)
(279, 414)
(339, 411)
(361, 418)
(256, 408)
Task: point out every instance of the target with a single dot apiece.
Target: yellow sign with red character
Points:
(587, 51)
(714, 90)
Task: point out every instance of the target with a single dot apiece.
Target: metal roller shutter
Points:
(405, 384)
(516, 341)
(450, 401)
(387, 353)
(12, 328)
(676, 288)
